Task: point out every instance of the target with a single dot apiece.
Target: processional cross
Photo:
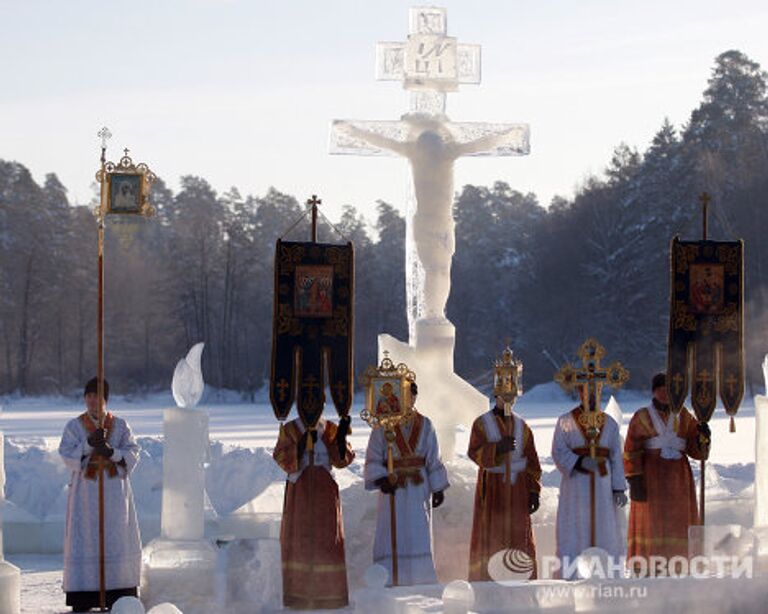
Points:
(590, 379)
(429, 65)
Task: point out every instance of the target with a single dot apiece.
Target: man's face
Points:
(660, 394)
(92, 403)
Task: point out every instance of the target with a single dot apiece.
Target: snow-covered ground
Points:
(242, 470)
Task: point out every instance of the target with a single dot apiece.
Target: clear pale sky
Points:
(242, 92)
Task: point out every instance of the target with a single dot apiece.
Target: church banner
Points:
(706, 325)
(312, 329)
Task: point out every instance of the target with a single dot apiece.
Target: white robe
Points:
(81, 533)
(413, 507)
(573, 511)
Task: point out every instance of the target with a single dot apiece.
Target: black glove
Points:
(437, 498)
(302, 446)
(386, 486)
(104, 450)
(507, 444)
(637, 490)
(533, 502)
(341, 435)
(96, 438)
(704, 430)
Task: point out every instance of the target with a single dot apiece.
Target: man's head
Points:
(659, 388)
(91, 395)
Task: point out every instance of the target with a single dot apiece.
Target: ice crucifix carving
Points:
(429, 64)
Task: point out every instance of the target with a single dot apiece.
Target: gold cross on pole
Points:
(590, 379)
(313, 203)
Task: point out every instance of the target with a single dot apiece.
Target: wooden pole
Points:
(704, 199)
(100, 375)
(508, 461)
(393, 535)
(392, 508)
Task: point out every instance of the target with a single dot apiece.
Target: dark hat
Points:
(93, 386)
(659, 380)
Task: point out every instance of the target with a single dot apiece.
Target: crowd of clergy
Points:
(411, 481)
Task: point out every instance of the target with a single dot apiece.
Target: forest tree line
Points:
(595, 264)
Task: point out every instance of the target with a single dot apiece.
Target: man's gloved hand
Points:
(533, 502)
(341, 435)
(637, 490)
(587, 463)
(385, 486)
(507, 444)
(619, 498)
(437, 498)
(704, 430)
(97, 438)
(104, 450)
(302, 446)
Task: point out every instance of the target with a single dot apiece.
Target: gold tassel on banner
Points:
(733, 425)
(676, 421)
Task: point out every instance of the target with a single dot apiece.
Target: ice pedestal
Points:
(444, 397)
(180, 566)
(761, 461)
(10, 588)
(761, 484)
(10, 577)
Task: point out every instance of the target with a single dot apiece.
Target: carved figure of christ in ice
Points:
(429, 64)
(432, 144)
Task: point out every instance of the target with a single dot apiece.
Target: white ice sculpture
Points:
(188, 385)
(179, 566)
(613, 409)
(430, 64)
(761, 454)
(10, 577)
(165, 608)
(128, 605)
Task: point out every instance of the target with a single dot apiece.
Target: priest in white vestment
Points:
(571, 453)
(421, 480)
(85, 445)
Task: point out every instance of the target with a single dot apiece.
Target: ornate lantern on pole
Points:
(508, 379)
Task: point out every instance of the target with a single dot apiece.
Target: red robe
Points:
(312, 532)
(501, 519)
(659, 526)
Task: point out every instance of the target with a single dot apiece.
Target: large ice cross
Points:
(429, 64)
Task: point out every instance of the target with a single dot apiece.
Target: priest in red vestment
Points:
(312, 532)
(506, 493)
(661, 485)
